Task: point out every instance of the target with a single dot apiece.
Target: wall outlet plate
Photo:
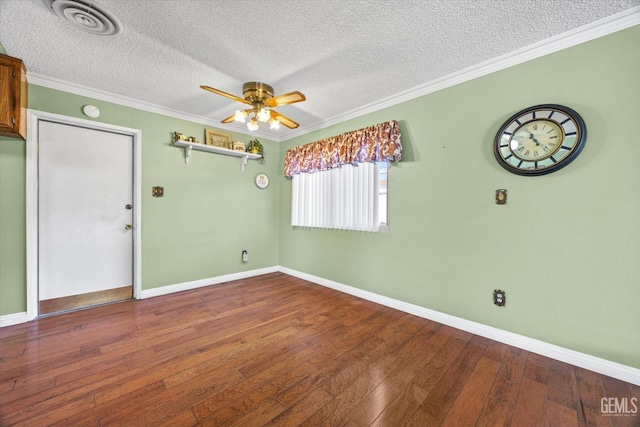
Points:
(499, 298)
(157, 191)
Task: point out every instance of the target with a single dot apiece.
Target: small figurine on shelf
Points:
(255, 147)
(177, 136)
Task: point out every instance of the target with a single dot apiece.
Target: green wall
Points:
(211, 210)
(12, 224)
(566, 246)
(13, 265)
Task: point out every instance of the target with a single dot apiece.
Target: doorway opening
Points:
(83, 238)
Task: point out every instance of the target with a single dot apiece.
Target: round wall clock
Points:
(262, 180)
(540, 140)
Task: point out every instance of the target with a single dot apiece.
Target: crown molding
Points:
(596, 29)
(64, 86)
(592, 31)
(77, 89)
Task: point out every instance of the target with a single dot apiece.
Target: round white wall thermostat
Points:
(91, 111)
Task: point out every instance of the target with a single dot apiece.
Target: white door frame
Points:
(33, 117)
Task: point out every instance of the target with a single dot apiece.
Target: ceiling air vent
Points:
(87, 15)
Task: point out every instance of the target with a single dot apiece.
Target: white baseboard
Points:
(13, 319)
(582, 360)
(186, 286)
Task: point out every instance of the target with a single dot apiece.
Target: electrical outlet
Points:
(245, 256)
(499, 298)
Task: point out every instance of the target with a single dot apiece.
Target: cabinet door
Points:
(13, 97)
(6, 98)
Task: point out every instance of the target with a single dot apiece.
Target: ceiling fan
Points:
(260, 96)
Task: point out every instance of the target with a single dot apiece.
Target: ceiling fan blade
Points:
(229, 119)
(225, 94)
(285, 99)
(284, 120)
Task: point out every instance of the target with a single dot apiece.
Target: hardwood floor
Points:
(56, 305)
(276, 350)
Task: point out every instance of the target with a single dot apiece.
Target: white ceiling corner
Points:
(348, 57)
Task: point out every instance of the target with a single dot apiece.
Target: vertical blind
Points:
(341, 198)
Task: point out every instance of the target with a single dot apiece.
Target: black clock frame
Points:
(581, 138)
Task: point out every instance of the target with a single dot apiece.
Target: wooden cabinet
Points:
(13, 97)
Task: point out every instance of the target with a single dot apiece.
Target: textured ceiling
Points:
(342, 54)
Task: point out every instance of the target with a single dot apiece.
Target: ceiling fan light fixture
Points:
(240, 116)
(253, 124)
(259, 97)
(263, 115)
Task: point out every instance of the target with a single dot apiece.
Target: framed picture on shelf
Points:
(217, 139)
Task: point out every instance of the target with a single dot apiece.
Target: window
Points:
(352, 197)
(340, 182)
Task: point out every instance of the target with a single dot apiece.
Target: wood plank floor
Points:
(276, 350)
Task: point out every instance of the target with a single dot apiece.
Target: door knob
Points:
(128, 227)
(128, 207)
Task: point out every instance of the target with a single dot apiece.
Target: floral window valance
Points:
(377, 143)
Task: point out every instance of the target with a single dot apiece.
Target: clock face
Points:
(540, 140)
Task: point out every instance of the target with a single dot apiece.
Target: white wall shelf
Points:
(188, 146)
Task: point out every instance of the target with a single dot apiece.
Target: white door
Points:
(85, 198)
